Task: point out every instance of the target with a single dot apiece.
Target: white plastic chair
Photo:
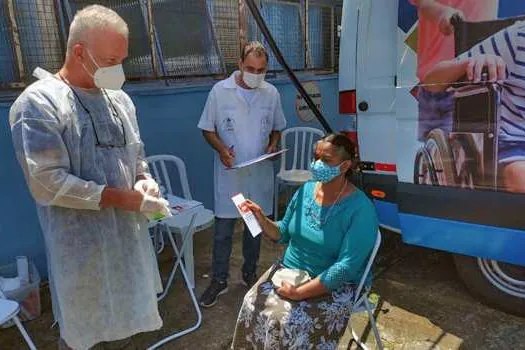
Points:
(304, 139)
(159, 165)
(361, 302)
(9, 311)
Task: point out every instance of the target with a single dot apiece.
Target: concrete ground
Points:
(422, 305)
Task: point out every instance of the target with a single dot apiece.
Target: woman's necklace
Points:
(323, 221)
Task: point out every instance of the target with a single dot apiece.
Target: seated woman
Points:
(330, 227)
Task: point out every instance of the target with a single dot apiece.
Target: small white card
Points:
(247, 215)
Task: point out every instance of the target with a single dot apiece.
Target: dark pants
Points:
(436, 111)
(222, 249)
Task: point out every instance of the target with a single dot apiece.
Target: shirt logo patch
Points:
(265, 123)
(228, 125)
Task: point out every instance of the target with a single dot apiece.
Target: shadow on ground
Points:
(422, 305)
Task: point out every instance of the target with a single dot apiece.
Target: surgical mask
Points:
(323, 172)
(111, 77)
(253, 80)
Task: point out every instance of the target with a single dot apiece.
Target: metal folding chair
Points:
(361, 302)
(185, 223)
(186, 237)
(160, 166)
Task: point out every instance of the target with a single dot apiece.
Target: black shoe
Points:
(248, 279)
(211, 295)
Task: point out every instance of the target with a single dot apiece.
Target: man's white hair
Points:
(94, 17)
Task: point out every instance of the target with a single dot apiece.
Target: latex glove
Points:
(155, 208)
(147, 186)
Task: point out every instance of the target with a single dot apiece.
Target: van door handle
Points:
(363, 106)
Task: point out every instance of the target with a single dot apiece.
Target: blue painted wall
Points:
(168, 117)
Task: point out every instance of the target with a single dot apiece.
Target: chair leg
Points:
(157, 237)
(357, 340)
(22, 330)
(379, 342)
(189, 260)
(197, 324)
(178, 254)
(161, 242)
(188, 235)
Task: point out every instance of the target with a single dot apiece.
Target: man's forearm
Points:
(121, 199)
(275, 136)
(214, 141)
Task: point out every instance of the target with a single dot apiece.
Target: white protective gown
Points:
(102, 269)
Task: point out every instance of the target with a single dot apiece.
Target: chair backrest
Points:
(302, 148)
(159, 165)
(369, 264)
(468, 34)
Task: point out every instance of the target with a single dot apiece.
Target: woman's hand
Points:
(311, 289)
(256, 210)
(270, 228)
(289, 292)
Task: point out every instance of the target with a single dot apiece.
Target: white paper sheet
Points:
(247, 215)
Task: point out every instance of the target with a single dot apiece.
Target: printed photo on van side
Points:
(469, 84)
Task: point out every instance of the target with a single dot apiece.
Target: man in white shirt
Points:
(242, 119)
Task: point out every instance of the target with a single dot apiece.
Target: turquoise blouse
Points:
(333, 244)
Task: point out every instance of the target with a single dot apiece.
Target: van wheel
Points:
(498, 284)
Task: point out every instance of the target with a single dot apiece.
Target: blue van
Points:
(436, 90)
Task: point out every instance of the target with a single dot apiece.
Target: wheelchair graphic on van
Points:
(466, 156)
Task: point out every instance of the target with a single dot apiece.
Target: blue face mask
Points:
(323, 172)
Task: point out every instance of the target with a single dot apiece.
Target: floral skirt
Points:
(268, 321)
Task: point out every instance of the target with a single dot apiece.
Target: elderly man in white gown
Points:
(76, 137)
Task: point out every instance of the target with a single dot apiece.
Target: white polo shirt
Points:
(246, 128)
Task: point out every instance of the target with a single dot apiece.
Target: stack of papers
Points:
(178, 204)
